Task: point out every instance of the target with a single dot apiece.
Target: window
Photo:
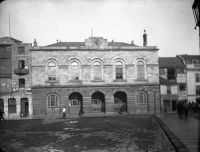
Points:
(194, 61)
(168, 89)
(181, 71)
(171, 74)
(140, 70)
(97, 70)
(21, 82)
(141, 98)
(96, 101)
(12, 105)
(21, 64)
(197, 76)
(21, 50)
(75, 70)
(198, 90)
(52, 100)
(182, 87)
(52, 70)
(119, 70)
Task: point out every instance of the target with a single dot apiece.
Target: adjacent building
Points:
(173, 83)
(192, 65)
(95, 77)
(15, 78)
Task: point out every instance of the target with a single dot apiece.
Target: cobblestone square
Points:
(102, 134)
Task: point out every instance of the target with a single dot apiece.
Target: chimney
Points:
(35, 43)
(132, 42)
(144, 38)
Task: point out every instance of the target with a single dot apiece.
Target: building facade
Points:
(94, 77)
(15, 93)
(192, 63)
(173, 84)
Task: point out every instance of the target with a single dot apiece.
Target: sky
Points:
(169, 24)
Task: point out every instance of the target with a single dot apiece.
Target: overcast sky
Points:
(169, 23)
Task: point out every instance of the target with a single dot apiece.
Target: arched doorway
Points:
(120, 102)
(98, 102)
(76, 104)
(24, 107)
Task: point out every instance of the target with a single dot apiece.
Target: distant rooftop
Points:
(66, 44)
(170, 62)
(9, 40)
(190, 57)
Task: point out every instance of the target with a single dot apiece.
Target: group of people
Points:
(183, 107)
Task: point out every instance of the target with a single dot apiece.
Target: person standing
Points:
(165, 111)
(179, 109)
(185, 107)
(1, 115)
(64, 112)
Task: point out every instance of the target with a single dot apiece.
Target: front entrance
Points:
(120, 102)
(24, 107)
(98, 102)
(76, 104)
(170, 104)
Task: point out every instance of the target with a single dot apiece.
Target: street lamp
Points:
(154, 94)
(196, 8)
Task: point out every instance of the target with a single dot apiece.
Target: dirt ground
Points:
(94, 134)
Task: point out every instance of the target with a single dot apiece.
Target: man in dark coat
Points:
(180, 109)
(1, 115)
(186, 107)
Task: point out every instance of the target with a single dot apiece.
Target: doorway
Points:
(24, 107)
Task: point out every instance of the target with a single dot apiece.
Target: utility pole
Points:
(9, 26)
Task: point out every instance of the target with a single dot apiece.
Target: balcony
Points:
(21, 71)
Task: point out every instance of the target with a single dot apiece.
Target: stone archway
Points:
(76, 104)
(120, 102)
(98, 102)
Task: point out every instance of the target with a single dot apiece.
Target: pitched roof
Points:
(190, 57)
(10, 38)
(170, 62)
(65, 44)
(62, 44)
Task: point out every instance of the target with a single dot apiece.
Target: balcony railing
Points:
(21, 71)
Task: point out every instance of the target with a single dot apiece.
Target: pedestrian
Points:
(1, 115)
(165, 111)
(193, 107)
(64, 112)
(179, 109)
(81, 112)
(185, 107)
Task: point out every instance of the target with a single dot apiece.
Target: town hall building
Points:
(94, 78)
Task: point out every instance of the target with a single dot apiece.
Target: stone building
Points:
(192, 64)
(15, 78)
(95, 77)
(173, 84)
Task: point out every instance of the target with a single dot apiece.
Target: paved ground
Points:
(103, 134)
(186, 130)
